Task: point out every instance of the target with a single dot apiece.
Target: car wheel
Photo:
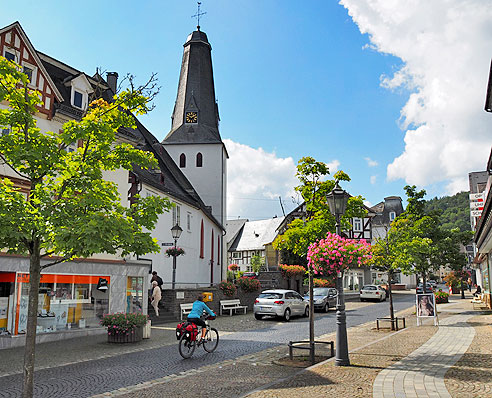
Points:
(306, 311)
(258, 316)
(326, 308)
(381, 298)
(287, 315)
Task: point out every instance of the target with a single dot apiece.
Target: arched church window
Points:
(201, 240)
(199, 160)
(182, 160)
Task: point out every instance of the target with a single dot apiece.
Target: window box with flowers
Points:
(175, 252)
(123, 327)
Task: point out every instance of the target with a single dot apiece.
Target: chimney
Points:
(112, 78)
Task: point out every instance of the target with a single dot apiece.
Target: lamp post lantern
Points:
(337, 200)
(176, 233)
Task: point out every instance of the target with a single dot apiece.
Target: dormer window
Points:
(392, 215)
(80, 89)
(77, 99)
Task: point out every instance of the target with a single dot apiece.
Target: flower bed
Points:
(124, 328)
(228, 288)
(248, 285)
(292, 271)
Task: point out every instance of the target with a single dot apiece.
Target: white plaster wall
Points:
(210, 180)
(190, 267)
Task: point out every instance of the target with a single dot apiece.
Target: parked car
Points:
(372, 292)
(281, 303)
(323, 297)
(420, 288)
(433, 283)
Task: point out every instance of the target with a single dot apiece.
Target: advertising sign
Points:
(426, 307)
(476, 197)
(476, 213)
(476, 205)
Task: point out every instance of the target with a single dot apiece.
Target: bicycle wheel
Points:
(211, 340)
(186, 347)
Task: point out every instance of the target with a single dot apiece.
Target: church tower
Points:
(194, 141)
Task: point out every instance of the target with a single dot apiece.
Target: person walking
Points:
(157, 278)
(156, 297)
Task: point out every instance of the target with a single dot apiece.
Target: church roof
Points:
(196, 93)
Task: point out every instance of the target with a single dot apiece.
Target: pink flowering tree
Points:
(335, 254)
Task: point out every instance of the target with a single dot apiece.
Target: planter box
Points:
(442, 300)
(134, 337)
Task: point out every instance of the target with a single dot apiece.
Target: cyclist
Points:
(196, 312)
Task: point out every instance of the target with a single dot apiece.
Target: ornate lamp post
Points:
(337, 200)
(176, 233)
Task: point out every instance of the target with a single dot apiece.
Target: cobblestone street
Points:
(251, 362)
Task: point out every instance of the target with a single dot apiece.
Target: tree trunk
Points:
(32, 317)
(424, 282)
(390, 294)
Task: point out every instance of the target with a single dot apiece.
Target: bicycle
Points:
(188, 342)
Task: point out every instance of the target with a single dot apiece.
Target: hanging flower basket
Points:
(175, 252)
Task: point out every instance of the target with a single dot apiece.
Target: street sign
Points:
(167, 244)
(476, 205)
(476, 197)
(476, 213)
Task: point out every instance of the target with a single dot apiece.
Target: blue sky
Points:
(294, 81)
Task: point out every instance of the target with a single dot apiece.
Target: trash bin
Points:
(208, 296)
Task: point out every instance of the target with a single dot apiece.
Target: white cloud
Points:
(367, 203)
(333, 166)
(255, 180)
(445, 47)
(373, 179)
(370, 162)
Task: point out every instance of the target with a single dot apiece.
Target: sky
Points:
(390, 91)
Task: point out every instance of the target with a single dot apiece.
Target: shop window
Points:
(64, 302)
(134, 294)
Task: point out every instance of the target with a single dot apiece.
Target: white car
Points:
(372, 292)
(281, 303)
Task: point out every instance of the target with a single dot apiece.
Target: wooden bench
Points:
(231, 305)
(185, 309)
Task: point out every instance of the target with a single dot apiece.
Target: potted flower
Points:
(441, 297)
(123, 327)
(175, 252)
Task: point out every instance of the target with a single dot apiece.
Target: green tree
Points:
(319, 221)
(257, 262)
(71, 211)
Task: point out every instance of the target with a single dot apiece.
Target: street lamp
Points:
(337, 200)
(176, 233)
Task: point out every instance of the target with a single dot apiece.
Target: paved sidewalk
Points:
(421, 374)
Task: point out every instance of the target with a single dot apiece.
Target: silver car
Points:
(323, 297)
(281, 303)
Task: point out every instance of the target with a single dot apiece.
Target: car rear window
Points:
(369, 288)
(271, 295)
(320, 291)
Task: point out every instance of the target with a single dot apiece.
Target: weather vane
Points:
(198, 15)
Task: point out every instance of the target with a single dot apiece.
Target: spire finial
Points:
(198, 15)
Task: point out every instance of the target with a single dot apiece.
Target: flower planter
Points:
(441, 300)
(133, 336)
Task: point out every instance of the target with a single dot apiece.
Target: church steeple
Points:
(195, 118)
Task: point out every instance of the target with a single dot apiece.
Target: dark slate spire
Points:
(196, 96)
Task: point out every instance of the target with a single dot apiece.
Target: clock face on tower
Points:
(191, 117)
